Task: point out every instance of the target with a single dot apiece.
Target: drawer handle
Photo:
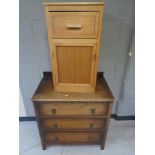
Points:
(56, 139)
(53, 111)
(91, 125)
(73, 26)
(89, 138)
(92, 111)
(55, 126)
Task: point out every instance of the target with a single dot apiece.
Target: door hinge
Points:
(53, 54)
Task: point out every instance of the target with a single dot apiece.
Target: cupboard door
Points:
(74, 65)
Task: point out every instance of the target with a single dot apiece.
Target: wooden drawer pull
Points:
(56, 139)
(91, 125)
(53, 111)
(89, 138)
(92, 111)
(73, 26)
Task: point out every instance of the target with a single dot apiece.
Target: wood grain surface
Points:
(45, 92)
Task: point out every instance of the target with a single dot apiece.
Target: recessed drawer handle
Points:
(55, 125)
(73, 26)
(92, 111)
(91, 125)
(53, 111)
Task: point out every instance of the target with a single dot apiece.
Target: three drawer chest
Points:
(72, 118)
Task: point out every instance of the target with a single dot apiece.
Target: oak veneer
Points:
(70, 118)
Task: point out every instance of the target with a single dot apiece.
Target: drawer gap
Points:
(72, 116)
(73, 11)
(72, 143)
(74, 130)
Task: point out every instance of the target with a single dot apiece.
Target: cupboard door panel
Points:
(74, 65)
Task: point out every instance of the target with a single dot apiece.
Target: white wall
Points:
(126, 102)
(22, 111)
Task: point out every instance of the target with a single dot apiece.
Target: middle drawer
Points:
(73, 108)
(73, 123)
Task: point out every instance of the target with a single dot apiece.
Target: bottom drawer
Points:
(73, 137)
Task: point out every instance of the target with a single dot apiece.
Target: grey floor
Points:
(120, 141)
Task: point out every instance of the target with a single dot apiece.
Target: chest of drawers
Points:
(74, 31)
(72, 118)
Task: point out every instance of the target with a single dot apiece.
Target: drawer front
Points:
(74, 24)
(72, 108)
(73, 137)
(73, 123)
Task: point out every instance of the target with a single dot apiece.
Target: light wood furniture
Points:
(72, 118)
(74, 39)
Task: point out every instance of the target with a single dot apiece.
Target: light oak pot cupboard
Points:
(73, 103)
(74, 31)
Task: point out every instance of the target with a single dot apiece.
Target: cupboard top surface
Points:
(45, 92)
(73, 3)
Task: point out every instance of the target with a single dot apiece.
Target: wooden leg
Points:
(102, 147)
(39, 127)
(44, 147)
(106, 127)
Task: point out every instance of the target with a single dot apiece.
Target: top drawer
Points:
(73, 108)
(73, 24)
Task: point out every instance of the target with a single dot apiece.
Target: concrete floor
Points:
(120, 141)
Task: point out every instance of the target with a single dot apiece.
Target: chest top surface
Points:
(74, 6)
(73, 3)
(45, 92)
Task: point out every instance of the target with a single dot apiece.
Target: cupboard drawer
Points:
(73, 24)
(71, 108)
(73, 123)
(73, 137)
